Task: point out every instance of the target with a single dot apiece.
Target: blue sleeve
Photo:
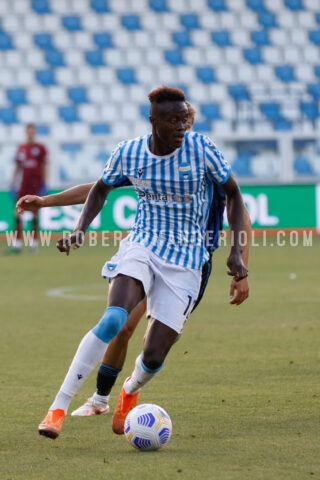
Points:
(218, 168)
(112, 173)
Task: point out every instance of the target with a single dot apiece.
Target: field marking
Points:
(68, 292)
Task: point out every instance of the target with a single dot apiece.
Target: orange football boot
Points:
(126, 402)
(52, 423)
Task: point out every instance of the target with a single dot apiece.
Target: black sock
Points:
(106, 378)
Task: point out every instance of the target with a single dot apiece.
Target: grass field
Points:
(241, 385)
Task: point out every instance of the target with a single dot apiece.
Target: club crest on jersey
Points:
(35, 151)
(185, 171)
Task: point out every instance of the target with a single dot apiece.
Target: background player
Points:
(29, 177)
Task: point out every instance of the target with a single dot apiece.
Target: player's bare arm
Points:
(72, 196)
(235, 213)
(93, 205)
(239, 290)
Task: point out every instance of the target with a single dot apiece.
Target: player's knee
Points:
(110, 323)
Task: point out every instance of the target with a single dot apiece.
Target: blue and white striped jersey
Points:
(175, 193)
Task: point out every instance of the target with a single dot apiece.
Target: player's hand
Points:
(236, 266)
(74, 240)
(30, 203)
(239, 291)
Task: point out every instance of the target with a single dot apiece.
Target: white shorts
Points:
(171, 290)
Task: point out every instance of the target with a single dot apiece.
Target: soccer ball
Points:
(148, 427)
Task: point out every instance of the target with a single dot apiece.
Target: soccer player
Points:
(174, 174)
(29, 177)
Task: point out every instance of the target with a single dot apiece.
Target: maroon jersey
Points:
(31, 159)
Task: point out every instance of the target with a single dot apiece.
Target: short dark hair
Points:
(166, 94)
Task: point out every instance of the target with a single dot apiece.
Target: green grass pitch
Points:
(241, 385)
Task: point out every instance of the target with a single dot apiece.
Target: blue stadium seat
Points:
(69, 114)
(5, 41)
(190, 21)
(158, 6)
(202, 126)
(253, 55)
(54, 58)
(239, 92)
(314, 90)
(206, 74)
(260, 37)
(71, 23)
(103, 40)
(41, 7)
(17, 96)
(182, 39)
(8, 115)
(43, 41)
(294, 5)
(256, 5)
(100, 6)
(46, 77)
(282, 125)
(301, 165)
(241, 165)
(318, 17)
(100, 128)
(131, 22)
(210, 111)
(271, 110)
(221, 38)
(217, 5)
(42, 129)
(126, 76)
(145, 111)
(77, 94)
(267, 19)
(314, 36)
(95, 58)
(309, 110)
(317, 71)
(174, 57)
(285, 73)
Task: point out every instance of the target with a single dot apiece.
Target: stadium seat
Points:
(100, 6)
(190, 21)
(314, 90)
(71, 23)
(221, 38)
(8, 115)
(69, 114)
(182, 39)
(210, 111)
(241, 165)
(41, 7)
(206, 74)
(260, 37)
(174, 57)
(16, 96)
(217, 5)
(54, 58)
(100, 129)
(314, 36)
(310, 110)
(131, 22)
(126, 75)
(302, 166)
(94, 58)
(253, 55)
(77, 94)
(103, 40)
(239, 92)
(203, 126)
(158, 6)
(285, 73)
(267, 19)
(294, 4)
(45, 77)
(43, 41)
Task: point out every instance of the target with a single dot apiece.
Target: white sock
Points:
(100, 398)
(88, 355)
(139, 377)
